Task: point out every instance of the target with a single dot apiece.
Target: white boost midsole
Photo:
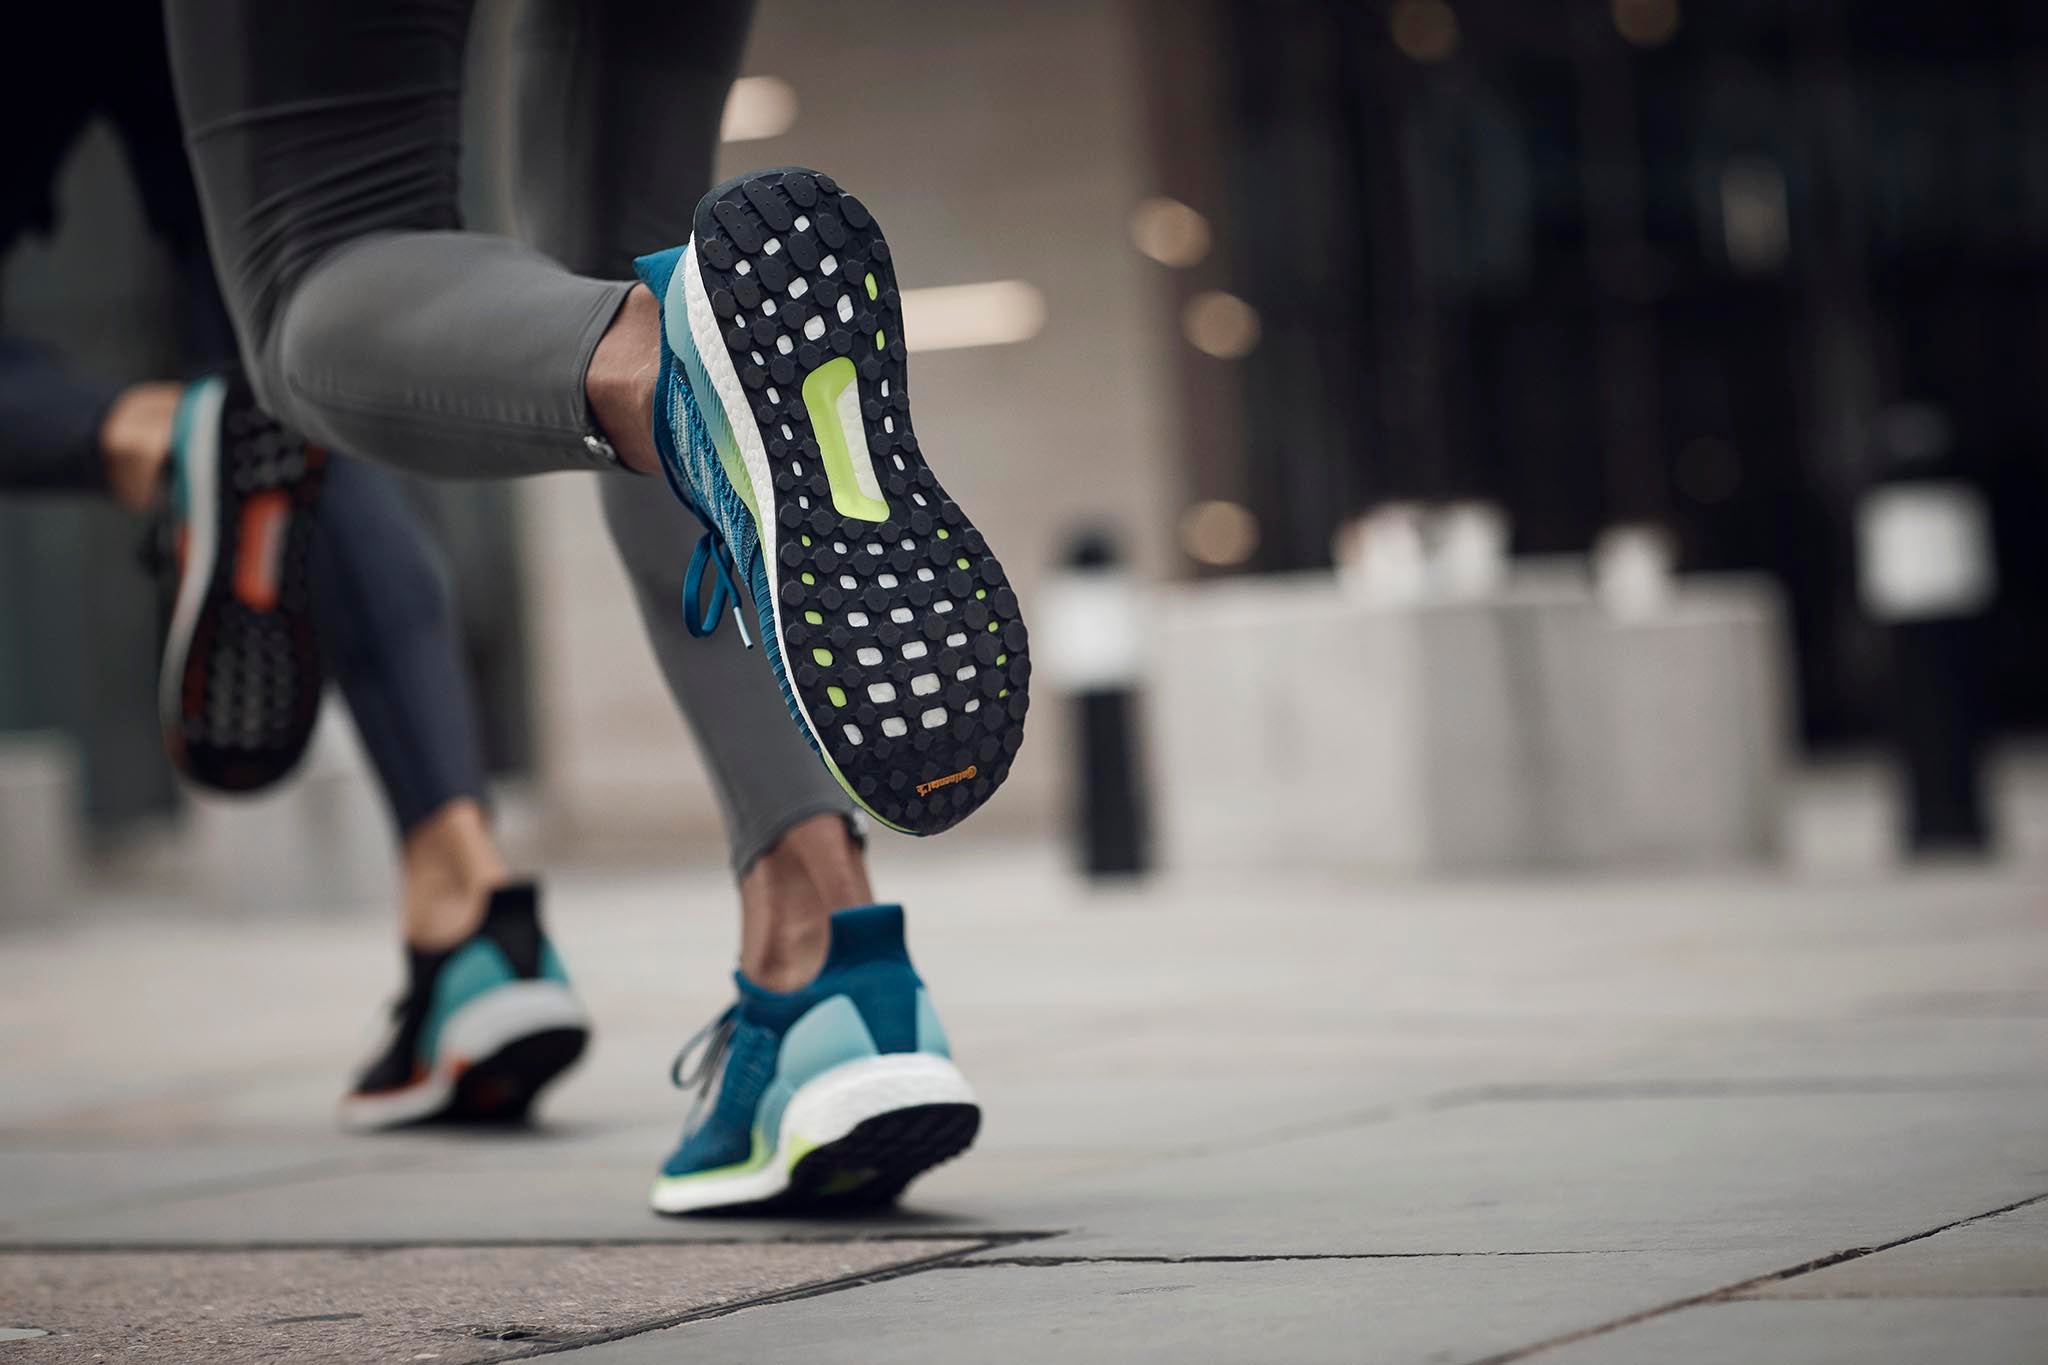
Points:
(825, 1109)
(732, 396)
(199, 465)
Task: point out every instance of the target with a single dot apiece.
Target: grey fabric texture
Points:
(325, 135)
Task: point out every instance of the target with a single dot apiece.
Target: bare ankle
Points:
(620, 381)
(449, 868)
(135, 440)
(787, 899)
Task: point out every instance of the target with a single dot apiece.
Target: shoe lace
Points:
(701, 618)
(715, 1040)
(725, 594)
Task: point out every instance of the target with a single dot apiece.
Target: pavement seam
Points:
(1729, 1293)
(794, 1294)
(992, 1239)
(1257, 1258)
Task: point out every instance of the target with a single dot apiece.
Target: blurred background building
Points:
(1473, 296)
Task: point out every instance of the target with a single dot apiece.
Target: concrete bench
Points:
(1290, 722)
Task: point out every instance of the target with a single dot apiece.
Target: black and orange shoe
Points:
(242, 675)
(482, 1029)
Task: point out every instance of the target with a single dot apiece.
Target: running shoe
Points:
(482, 1028)
(240, 686)
(829, 1098)
(783, 422)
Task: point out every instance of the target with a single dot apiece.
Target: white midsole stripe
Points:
(825, 1109)
(199, 465)
(739, 414)
(494, 1020)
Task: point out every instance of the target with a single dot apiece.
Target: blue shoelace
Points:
(725, 593)
(701, 618)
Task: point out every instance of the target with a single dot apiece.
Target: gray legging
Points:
(325, 136)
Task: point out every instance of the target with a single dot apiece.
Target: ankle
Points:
(788, 897)
(787, 956)
(619, 383)
(449, 869)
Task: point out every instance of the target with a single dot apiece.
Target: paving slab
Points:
(1425, 1310)
(1796, 1176)
(455, 1305)
(41, 1184)
(1867, 1051)
(1665, 1085)
(2006, 1256)
(1889, 1332)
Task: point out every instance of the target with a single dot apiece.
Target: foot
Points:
(830, 1098)
(481, 1029)
(781, 419)
(241, 679)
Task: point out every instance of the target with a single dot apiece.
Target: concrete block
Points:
(1294, 723)
(320, 839)
(1660, 738)
(1697, 710)
(40, 801)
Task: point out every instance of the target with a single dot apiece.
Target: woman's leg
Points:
(325, 136)
(603, 97)
(389, 626)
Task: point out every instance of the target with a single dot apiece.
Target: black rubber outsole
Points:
(924, 731)
(244, 664)
(868, 1169)
(502, 1088)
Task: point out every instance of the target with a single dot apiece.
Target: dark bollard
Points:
(1091, 613)
(1928, 575)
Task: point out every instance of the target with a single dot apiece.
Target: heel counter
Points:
(931, 1034)
(869, 965)
(477, 966)
(512, 925)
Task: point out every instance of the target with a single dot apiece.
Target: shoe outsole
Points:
(868, 1169)
(902, 638)
(502, 1087)
(242, 682)
(497, 1090)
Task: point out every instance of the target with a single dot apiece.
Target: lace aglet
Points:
(741, 622)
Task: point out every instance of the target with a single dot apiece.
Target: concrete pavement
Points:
(1685, 1118)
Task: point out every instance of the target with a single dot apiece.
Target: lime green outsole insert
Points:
(822, 388)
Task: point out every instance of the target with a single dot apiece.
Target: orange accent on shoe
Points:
(927, 788)
(259, 543)
(420, 1073)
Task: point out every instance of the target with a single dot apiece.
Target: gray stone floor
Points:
(1678, 1118)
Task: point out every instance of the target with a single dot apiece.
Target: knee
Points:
(317, 328)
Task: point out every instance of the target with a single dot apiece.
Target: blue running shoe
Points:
(239, 690)
(782, 419)
(481, 1029)
(833, 1097)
